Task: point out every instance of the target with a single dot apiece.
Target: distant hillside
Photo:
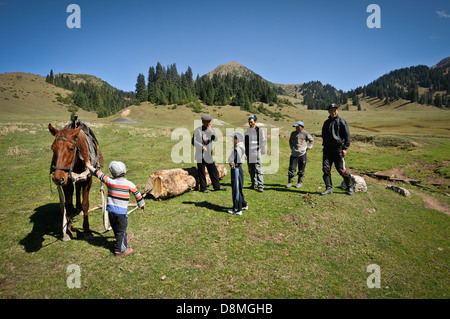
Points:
(86, 78)
(29, 95)
(237, 85)
(234, 69)
(421, 84)
(444, 63)
(414, 88)
(228, 84)
(91, 93)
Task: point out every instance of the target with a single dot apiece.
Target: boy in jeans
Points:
(236, 158)
(119, 189)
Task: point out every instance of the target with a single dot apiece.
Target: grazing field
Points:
(290, 243)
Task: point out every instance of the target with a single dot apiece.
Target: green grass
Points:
(290, 243)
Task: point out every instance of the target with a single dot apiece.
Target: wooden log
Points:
(169, 183)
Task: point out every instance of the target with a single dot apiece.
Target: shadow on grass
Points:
(282, 188)
(209, 205)
(47, 221)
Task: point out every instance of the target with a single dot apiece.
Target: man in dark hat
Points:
(202, 140)
(336, 141)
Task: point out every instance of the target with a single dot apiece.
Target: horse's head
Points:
(64, 153)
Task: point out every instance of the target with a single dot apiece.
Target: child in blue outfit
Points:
(236, 158)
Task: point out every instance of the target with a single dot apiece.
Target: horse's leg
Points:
(68, 194)
(85, 207)
(78, 195)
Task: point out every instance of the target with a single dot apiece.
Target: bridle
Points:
(75, 153)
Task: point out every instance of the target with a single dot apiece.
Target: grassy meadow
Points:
(290, 243)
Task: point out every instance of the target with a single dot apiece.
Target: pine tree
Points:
(438, 101)
(51, 78)
(141, 90)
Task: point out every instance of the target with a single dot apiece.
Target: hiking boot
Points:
(328, 191)
(349, 182)
(126, 252)
(328, 185)
(232, 212)
(245, 208)
(299, 185)
(289, 185)
(350, 191)
(260, 189)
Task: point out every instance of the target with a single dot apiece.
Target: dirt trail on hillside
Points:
(433, 203)
(125, 113)
(396, 175)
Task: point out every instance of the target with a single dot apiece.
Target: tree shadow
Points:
(47, 221)
(209, 205)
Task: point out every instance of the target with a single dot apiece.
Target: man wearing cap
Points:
(202, 140)
(235, 160)
(336, 141)
(255, 146)
(300, 142)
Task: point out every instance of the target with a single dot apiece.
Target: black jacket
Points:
(335, 134)
(203, 137)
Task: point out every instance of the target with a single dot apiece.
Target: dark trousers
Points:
(336, 157)
(237, 183)
(295, 161)
(119, 224)
(213, 175)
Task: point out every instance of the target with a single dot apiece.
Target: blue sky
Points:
(287, 42)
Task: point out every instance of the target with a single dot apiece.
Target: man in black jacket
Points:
(336, 141)
(202, 140)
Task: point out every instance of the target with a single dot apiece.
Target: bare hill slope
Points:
(29, 95)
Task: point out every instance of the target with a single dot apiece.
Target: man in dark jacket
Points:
(336, 141)
(202, 141)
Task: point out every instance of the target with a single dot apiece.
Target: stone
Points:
(400, 190)
(359, 184)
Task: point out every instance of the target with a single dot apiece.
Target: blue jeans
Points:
(237, 182)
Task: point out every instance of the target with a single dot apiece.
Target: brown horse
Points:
(70, 149)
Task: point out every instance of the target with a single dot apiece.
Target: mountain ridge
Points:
(233, 68)
(33, 90)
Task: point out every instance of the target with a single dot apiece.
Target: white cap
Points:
(117, 168)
